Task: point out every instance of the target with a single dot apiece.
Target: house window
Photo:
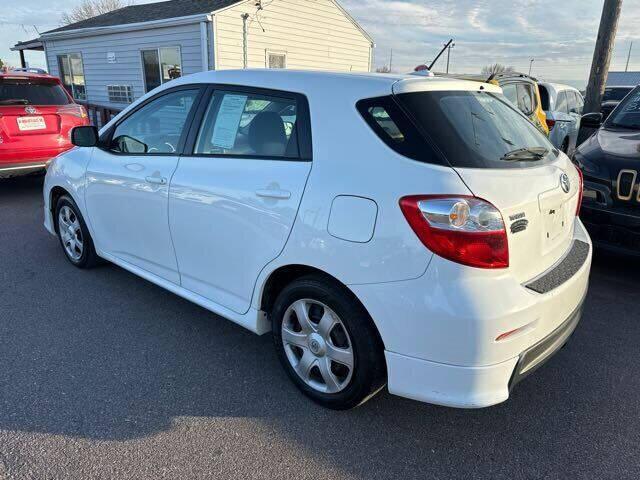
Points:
(276, 60)
(160, 65)
(72, 75)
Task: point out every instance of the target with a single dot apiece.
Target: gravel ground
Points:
(104, 375)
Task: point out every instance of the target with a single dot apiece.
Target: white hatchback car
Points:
(411, 231)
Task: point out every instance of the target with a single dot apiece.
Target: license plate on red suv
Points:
(26, 124)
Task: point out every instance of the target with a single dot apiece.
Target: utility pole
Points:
(626, 69)
(602, 54)
(391, 60)
(531, 65)
(451, 45)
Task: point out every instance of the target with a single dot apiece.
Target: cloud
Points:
(559, 35)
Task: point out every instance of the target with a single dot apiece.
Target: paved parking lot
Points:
(104, 375)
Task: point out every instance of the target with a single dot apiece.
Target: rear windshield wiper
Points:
(14, 101)
(527, 153)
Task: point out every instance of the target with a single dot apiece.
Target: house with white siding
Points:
(112, 59)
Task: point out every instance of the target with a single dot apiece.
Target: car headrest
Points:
(267, 135)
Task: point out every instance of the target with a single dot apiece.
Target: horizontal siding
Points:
(128, 67)
(314, 34)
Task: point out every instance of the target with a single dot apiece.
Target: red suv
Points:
(36, 117)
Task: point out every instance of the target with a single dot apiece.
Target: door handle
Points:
(278, 194)
(156, 180)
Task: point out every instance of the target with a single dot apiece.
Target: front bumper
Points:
(442, 331)
(618, 231)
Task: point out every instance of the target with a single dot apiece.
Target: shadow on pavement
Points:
(104, 355)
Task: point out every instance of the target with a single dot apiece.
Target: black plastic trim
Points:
(564, 270)
(537, 355)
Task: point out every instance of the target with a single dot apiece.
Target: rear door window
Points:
(32, 92)
(251, 125)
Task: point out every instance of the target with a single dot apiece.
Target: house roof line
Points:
(148, 12)
(125, 27)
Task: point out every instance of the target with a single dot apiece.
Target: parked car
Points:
(563, 107)
(523, 91)
(36, 118)
(612, 97)
(520, 89)
(449, 266)
(610, 161)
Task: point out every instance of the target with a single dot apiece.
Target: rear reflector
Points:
(463, 229)
(551, 124)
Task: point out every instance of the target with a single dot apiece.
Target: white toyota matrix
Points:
(393, 230)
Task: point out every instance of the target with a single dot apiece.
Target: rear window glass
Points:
(29, 92)
(387, 119)
(478, 129)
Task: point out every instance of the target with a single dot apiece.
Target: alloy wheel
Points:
(317, 346)
(70, 233)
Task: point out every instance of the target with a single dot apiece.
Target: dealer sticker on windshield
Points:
(26, 124)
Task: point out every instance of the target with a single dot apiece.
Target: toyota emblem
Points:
(565, 183)
(30, 110)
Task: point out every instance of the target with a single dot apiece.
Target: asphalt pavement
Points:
(104, 375)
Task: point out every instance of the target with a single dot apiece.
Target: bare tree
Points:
(383, 69)
(496, 68)
(92, 8)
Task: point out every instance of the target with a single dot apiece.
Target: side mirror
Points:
(86, 136)
(592, 120)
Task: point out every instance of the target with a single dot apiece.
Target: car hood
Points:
(619, 143)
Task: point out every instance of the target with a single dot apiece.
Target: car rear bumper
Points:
(473, 387)
(442, 332)
(22, 168)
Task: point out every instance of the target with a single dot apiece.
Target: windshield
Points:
(615, 94)
(627, 113)
(478, 129)
(29, 92)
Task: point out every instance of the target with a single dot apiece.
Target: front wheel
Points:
(73, 234)
(327, 343)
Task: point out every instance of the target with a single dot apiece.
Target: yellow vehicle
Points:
(521, 90)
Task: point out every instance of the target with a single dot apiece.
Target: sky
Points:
(558, 35)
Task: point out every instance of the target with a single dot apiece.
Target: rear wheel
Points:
(73, 234)
(327, 343)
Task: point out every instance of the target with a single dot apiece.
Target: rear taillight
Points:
(466, 230)
(551, 124)
(580, 190)
(72, 109)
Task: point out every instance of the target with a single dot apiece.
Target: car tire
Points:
(337, 327)
(73, 234)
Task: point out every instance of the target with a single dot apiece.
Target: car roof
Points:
(19, 74)
(318, 83)
(559, 87)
